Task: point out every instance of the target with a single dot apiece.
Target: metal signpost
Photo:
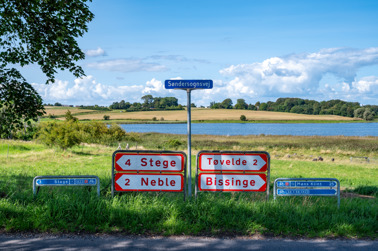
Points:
(189, 85)
(228, 171)
(148, 171)
(307, 187)
(78, 180)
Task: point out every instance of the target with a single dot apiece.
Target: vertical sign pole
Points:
(188, 85)
(189, 168)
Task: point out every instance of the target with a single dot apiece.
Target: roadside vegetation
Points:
(79, 210)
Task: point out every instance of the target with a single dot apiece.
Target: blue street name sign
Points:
(66, 182)
(188, 84)
(306, 184)
(306, 191)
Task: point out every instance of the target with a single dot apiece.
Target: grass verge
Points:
(76, 209)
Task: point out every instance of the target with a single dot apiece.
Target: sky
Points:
(258, 50)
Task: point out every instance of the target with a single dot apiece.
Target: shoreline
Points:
(117, 121)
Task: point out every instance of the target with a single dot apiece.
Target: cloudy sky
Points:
(257, 50)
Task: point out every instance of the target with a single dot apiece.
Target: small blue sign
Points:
(306, 184)
(306, 191)
(188, 84)
(66, 182)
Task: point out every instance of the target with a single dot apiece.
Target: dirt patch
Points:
(355, 195)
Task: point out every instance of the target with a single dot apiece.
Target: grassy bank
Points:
(80, 210)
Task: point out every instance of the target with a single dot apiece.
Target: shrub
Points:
(64, 135)
(174, 143)
(116, 132)
(243, 118)
(154, 119)
(70, 117)
(106, 117)
(368, 114)
(133, 137)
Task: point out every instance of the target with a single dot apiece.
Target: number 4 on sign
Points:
(128, 162)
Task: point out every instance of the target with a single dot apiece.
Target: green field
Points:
(78, 210)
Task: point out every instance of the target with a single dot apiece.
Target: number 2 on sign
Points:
(127, 182)
(255, 162)
(128, 162)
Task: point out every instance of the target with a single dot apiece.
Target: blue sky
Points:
(256, 50)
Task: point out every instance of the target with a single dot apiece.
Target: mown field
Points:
(79, 210)
(198, 114)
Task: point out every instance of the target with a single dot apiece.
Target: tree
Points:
(263, 107)
(243, 118)
(227, 103)
(148, 100)
(42, 33)
(359, 113)
(214, 105)
(241, 104)
(17, 108)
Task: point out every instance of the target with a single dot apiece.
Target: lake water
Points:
(321, 129)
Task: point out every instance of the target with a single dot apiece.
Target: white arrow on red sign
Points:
(232, 182)
(233, 162)
(149, 162)
(149, 182)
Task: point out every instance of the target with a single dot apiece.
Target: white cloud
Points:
(367, 85)
(95, 53)
(300, 74)
(154, 86)
(87, 91)
(127, 65)
(327, 74)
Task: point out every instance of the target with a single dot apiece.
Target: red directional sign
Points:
(232, 182)
(248, 162)
(149, 182)
(164, 162)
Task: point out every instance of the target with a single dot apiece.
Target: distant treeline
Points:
(94, 107)
(89, 107)
(149, 103)
(305, 106)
